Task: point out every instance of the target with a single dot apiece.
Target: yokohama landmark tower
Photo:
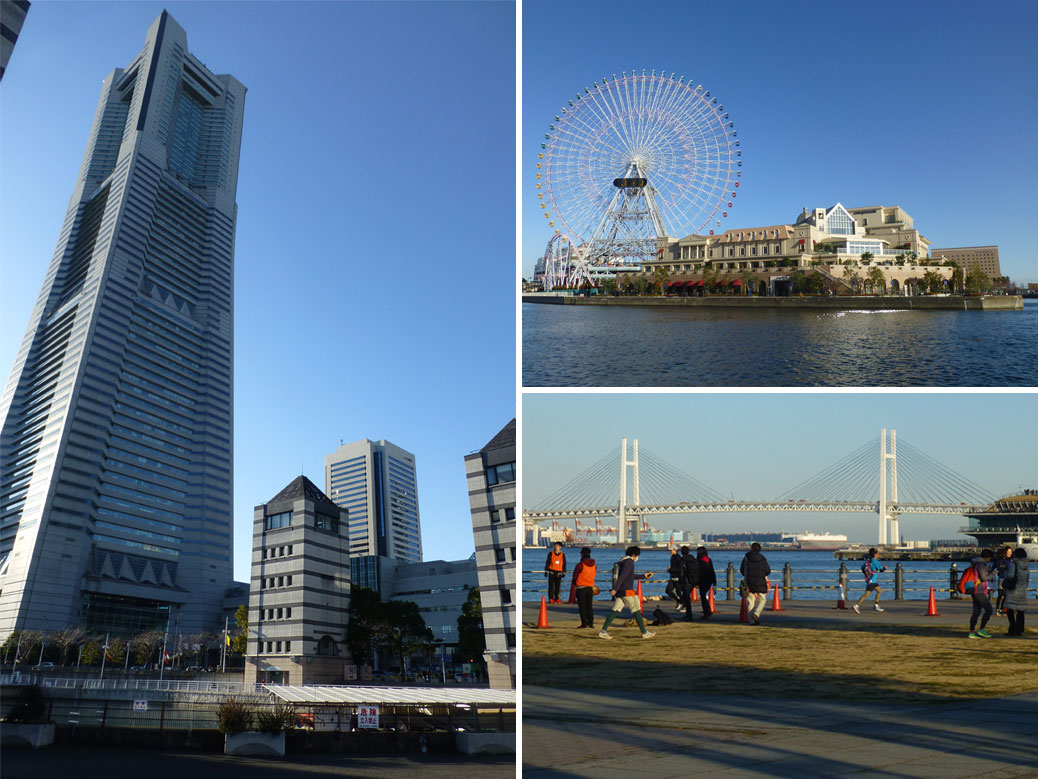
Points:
(116, 440)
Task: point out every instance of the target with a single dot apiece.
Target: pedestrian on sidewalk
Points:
(755, 571)
(707, 580)
(1016, 597)
(689, 580)
(870, 569)
(624, 594)
(981, 594)
(674, 584)
(584, 581)
(1002, 560)
(555, 571)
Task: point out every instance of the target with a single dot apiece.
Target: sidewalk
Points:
(615, 732)
(631, 734)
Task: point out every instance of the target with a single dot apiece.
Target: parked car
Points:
(42, 666)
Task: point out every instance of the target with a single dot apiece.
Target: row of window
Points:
(277, 551)
(283, 613)
(496, 514)
(274, 647)
(503, 552)
(275, 581)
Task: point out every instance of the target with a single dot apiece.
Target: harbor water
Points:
(815, 574)
(631, 346)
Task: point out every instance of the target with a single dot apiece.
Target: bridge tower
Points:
(888, 515)
(623, 533)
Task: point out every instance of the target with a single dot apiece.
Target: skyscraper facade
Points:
(377, 483)
(116, 438)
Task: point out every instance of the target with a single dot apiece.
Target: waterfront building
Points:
(377, 482)
(1009, 520)
(970, 257)
(491, 475)
(116, 423)
(12, 17)
(761, 260)
(299, 590)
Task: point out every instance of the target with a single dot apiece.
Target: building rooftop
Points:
(302, 487)
(504, 438)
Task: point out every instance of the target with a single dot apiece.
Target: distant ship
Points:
(821, 541)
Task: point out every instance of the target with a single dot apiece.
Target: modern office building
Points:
(438, 587)
(12, 17)
(491, 474)
(377, 483)
(970, 257)
(299, 590)
(116, 438)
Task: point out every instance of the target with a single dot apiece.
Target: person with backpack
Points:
(624, 593)
(755, 571)
(555, 571)
(584, 583)
(870, 569)
(674, 585)
(689, 580)
(1018, 574)
(979, 592)
(707, 580)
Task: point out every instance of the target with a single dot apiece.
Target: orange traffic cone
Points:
(744, 611)
(931, 607)
(641, 599)
(542, 618)
(775, 605)
(710, 601)
(841, 602)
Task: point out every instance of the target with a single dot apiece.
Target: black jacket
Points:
(689, 571)
(675, 566)
(707, 577)
(755, 570)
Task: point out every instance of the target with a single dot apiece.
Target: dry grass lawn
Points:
(895, 663)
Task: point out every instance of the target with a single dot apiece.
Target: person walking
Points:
(755, 571)
(584, 582)
(870, 568)
(624, 594)
(555, 570)
(707, 580)
(1018, 574)
(674, 584)
(980, 594)
(689, 580)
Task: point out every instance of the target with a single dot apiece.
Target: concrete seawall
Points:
(848, 303)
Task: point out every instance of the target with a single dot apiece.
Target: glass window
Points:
(498, 474)
(275, 521)
(326, 522)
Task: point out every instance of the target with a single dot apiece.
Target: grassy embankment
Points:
(855, 660)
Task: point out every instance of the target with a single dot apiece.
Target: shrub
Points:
(235, 716)
(31, 707)
(276, 720)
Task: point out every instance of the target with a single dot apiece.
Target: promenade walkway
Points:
(613, 731)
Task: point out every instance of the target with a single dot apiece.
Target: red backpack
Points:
(968, 582)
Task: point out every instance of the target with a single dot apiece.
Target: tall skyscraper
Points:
(491, 476)
(116, 438)
(12, 17)
(378, 484)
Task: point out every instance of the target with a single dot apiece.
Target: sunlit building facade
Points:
(116, 439)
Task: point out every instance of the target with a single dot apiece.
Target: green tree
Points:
(808, 283)
(394, 626)
(977, 281)
(26, 643)
(608, 286)
(91, 652)
(472, 640)
(877, 279)
(660, 276)
(405, 632)
(145, 646)
(866, 258)
(66, 640)
(241, 641)
(365, 615)
(933, 281)
(957, 280)
(851, 276)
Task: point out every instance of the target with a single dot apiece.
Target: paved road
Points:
(605, 733)
(110, 763)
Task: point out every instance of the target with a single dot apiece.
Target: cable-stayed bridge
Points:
(883, 477)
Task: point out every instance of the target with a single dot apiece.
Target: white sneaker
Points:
(646, 634)
(878, 608)
(856, 609)
(603, 634)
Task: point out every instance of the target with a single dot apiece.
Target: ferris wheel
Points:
(635, 159)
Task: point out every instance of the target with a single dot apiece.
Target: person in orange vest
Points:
(555, 570)
(584, 581)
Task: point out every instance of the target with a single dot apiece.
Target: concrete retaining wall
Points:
(840, 303)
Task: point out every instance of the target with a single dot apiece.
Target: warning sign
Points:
(367, 717)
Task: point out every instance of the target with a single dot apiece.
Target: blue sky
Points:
(374, 287)
(757, 446)
(921, 104)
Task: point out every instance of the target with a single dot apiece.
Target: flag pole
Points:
(104, 656)
(223, 653)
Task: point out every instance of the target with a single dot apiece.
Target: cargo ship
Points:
(821, 541)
